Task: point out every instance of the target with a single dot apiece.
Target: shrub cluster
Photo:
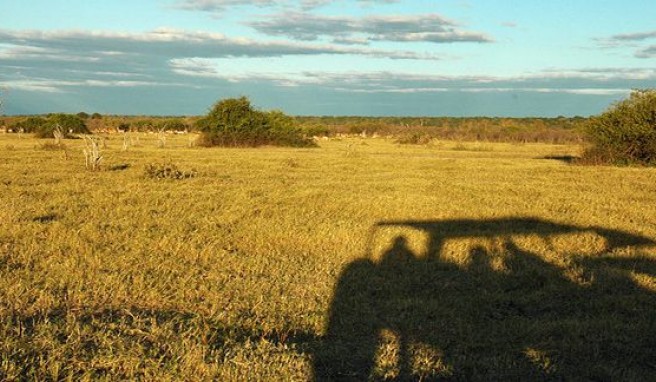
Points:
(167, 170)
(29, 125)
(234, 122)
(44, 127)
(626, 132)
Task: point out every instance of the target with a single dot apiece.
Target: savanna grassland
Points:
(361, 258)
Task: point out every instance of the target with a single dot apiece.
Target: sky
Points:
(513, 58)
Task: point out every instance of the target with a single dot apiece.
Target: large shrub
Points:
(29, 125)
(626, 132)
(68, 123)
(234, 122)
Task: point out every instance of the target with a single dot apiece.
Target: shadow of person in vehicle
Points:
(506, 312)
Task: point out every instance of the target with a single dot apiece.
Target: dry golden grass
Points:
(269, 264)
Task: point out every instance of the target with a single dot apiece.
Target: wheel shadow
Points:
(498, 310)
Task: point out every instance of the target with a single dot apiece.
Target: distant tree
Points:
(234, 122)
(96, 116)
(83, 115)
(626, 132)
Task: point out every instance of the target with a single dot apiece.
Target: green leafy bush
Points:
(234, 122)
(625, 133)
(68, 123)
(29, 125)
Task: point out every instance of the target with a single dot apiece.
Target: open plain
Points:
(361, 258)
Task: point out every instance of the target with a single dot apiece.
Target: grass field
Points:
(357, 259)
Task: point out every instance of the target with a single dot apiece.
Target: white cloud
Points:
(96, 58)
(599, 81)
(219, 6)
(407, 28)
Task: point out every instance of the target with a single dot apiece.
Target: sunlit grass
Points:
(230, 274)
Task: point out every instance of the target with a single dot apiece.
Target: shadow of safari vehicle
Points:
(497, 299)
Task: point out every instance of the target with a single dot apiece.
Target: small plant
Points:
(49, 146)
(167, 170)
(415, 139)
(161, 138)
(119, 167)
(126, 141)
(475, 147)
(292, 162)
(92, 154)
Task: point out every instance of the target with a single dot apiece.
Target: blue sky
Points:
(326, 57)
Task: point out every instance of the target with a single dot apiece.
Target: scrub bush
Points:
(67, 123)
(234, 122)
(625, 133)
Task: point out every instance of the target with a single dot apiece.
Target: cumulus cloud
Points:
(409, 28)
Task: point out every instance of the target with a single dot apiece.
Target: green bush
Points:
(234, 122)
(69, 124)
(29, 125)
(625, 133)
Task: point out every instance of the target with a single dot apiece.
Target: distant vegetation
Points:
(44, 127)
(545, 130)
(626, 132)
(561, 130)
